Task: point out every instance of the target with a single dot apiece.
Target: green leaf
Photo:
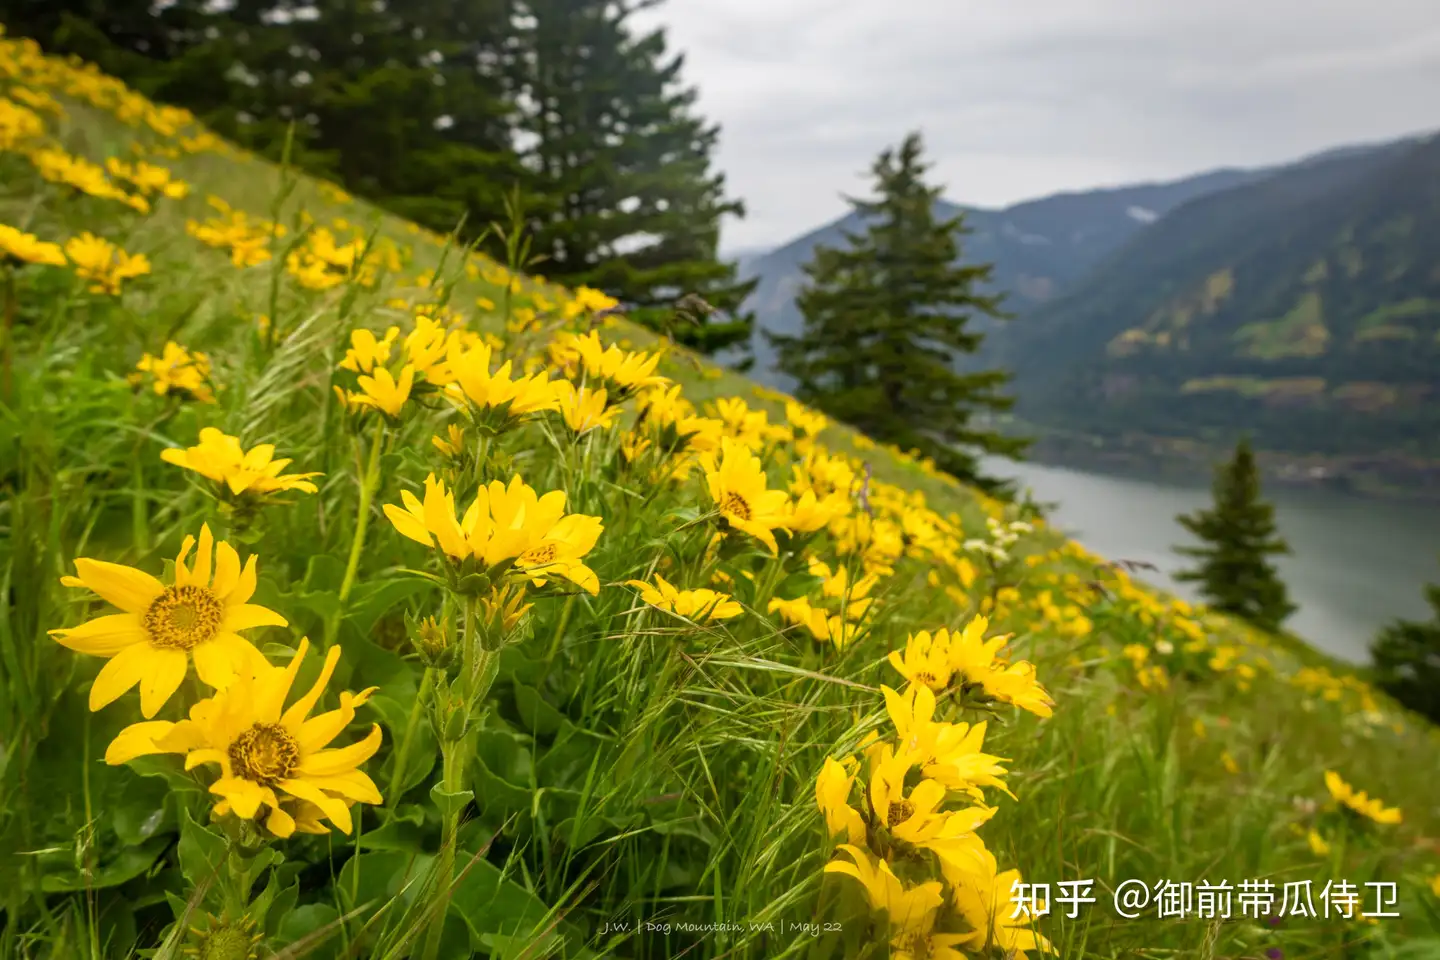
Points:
(514, 664)
(370, 601)
(128, 864)
(401, 833)
(492, 904)
(539, 717)
(378, 876)
(568, 759)
(450, 803)
(424, 749)
(202, 850)
(496, 795)
(305, 920)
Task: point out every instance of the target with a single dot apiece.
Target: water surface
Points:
(1356, 563)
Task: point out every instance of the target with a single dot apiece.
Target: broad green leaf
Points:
(202, 850)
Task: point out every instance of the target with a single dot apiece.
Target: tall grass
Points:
(629, 782)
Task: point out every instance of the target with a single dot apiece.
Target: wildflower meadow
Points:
(365, 596)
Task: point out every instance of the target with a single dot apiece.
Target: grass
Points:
(614, 780)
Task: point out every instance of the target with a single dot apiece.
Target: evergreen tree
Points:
(1239, 533)
(885, 319)
(620, 166)
(401, 102)
(1407, 660)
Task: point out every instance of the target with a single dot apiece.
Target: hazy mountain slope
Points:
(1038, 247)
(1304, 307)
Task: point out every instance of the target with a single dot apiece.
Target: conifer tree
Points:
(885, 319)
(1406, 655)
(620, 167)
(1239, 535)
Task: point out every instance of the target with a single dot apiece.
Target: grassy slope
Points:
(1122, 782)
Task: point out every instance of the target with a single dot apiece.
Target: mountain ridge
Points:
(1040, 247)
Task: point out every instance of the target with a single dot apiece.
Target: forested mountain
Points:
(438, 109)
(1038, 248)
(1303, 308)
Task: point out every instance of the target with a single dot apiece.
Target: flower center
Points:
(732, 502)
(264, 754)
(543, 554)
(900, 811)
(182, 618)
(928, 678)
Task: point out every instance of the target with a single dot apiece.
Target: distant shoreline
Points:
(1191, 462)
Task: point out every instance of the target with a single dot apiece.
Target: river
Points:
(1355, 563)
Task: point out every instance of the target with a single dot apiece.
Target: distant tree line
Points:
(437, 109)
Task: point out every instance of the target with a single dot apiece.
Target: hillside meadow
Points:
(367, 597)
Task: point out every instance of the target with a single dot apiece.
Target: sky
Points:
(1018, 99)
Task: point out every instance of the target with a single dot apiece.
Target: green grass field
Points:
(513, 750)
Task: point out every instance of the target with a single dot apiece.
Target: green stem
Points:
(9, 334)
(453, 761)
(477, 673)
(402, 754)
(368, 482)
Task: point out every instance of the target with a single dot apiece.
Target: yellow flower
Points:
(809, 513)
(180, 370)
(18, 124)
(974, 659)
(832, 796)
(985, 901)
(588, 300)
(452, 444)
(26, 248)
(913, 819)
(947, 752)
(1435, 885)
(105, 265)
(804, 419)
(698, 605)
(1318, 844)
(1228, 762)
(926, 659)
(269, 753)
(220, 458)
(163, 628)
(381, 391)
(1359, 801)
(57, 166)
(737, 486)
(366, 350)
(496, 401)
(584, 407)
(823, 625)
(624, 372)
(504, 523)
(909, 909)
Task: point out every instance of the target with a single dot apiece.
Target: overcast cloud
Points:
(1021, 98)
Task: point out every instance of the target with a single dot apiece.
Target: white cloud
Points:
(1026, 97)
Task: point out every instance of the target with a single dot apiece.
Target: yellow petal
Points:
(104, 636)
(136, 740)
(127, 588)
(352, 785)
(280, 823)
(248, 615)
(213, 664)
(327, 763)
(122, 672)
(164, 672)
(333, 808)
(245, 797)
(227, 571)
(300, 709)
